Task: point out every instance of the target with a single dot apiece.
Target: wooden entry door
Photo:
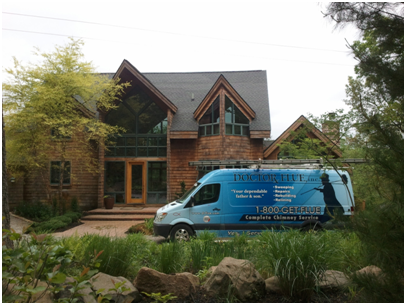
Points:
(136, 183)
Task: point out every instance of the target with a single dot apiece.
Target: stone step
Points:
(123, 211)
(118, 217)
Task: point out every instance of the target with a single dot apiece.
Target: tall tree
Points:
(52, 101)
(376, 100)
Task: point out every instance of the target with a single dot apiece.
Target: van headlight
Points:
(159, 217)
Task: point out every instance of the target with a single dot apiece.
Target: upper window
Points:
(146, 126)
(236, 122)
(56, 174)
(209, 124)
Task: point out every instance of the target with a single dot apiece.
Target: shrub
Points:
(297, 258)
(117, 258)
(74, 205)
(36, 211)
(74, 216)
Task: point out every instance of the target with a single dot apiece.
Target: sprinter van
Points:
(232, 201)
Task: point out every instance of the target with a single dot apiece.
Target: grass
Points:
(297, 258)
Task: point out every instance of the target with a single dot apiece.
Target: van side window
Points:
(207, 194)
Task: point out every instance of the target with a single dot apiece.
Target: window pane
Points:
(149, 119)
(131, 141)
(152, 152)
(245, 130)
(208, 130)
(110, 152)
(142, 152)
(119, 198)
(216, 110)
(121, 117)
(162, 151)
(239, 117)
(208, 194)
(229, 129)
(115, 177)
(157, 177)
(237, 129)
(153, 142)
(142, 141)
(131, 151)
(136, 181)
(120, 151)
(216, 129)
(229, 110)
(120, 141)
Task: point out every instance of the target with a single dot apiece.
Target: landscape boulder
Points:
(332, 279)
(370, 270)
(272, 285)
(152, 281)
(87, 295)
(236, 277)
(102, 280)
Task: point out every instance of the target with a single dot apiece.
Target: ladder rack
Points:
(284, 163)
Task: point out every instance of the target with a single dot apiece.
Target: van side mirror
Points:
(192, 201)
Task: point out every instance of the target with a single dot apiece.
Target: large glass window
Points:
(115, 181)
(56, 168)
(146, 126)
(236, 122)
(156, 182)
(209, 124)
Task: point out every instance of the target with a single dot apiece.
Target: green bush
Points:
(74, 216)
(74, 205)
(297, 258)
(36, 211)
(118, 254)
(65, 219)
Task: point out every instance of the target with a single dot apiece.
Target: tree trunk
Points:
(5, 205)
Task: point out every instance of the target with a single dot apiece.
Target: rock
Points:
(152, 281)
(272, 285)
(370, 270)
(87, 292)
(102, 280)
(333, 279)
(192, 278)
(236, 275)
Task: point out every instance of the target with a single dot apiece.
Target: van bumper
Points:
(162, 229)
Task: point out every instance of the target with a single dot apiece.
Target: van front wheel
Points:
(181, 233)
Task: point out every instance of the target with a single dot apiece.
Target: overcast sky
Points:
(307, 62)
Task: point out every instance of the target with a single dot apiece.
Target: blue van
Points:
(233, 201)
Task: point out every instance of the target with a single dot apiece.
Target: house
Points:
(272, 152)
(170, 120)
(174, 118)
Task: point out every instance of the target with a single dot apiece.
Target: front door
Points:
(135, 191)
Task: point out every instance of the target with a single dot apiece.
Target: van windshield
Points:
(186, 195)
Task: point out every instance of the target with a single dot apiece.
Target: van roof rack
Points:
(283, 163)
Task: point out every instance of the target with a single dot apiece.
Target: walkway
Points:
(107, 228)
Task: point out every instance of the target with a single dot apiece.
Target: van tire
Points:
(181, 233)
